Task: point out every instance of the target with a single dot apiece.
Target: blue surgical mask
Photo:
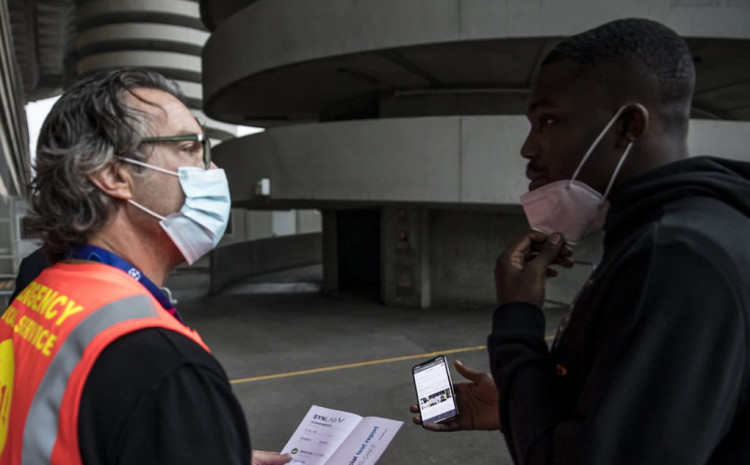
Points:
(199, 225)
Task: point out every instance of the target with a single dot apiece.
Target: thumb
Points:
(467, 372)
(551, 249)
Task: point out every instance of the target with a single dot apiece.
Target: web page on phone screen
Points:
(434, 391)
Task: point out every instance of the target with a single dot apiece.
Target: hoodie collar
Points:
(641, 198)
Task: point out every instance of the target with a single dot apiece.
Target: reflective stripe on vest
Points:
(40, 433)
(50, 338)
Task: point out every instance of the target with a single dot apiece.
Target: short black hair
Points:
(647, 56)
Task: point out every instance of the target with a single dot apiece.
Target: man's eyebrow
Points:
(542, 102)
(188, 132)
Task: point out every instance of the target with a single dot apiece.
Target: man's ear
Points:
(115, 180)
(635, 121)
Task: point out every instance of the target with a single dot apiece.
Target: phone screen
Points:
(435, 398)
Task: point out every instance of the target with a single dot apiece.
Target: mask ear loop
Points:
(149, 211)
(617, 170)
(147, 165)
(596, 142)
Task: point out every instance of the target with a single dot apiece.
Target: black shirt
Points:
(653, 366)
(29, 269)
(156, 397)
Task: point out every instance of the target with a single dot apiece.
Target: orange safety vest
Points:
(50, 337)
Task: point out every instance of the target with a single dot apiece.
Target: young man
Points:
(96, 366)
(651, 363)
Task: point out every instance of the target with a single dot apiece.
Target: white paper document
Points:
(333, 437)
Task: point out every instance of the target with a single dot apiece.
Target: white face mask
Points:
(570, 207)
(202, 220)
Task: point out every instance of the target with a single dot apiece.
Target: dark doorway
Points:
(358, 235)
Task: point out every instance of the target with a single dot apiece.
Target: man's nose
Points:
(529, 148)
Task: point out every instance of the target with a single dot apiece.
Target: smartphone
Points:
(435, 397)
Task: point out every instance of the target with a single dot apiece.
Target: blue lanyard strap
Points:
(97, 254)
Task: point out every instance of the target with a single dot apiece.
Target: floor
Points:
(286, 346)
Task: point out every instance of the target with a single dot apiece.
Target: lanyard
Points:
(97, 254)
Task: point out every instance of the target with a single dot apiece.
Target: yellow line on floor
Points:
(359, 364)
(356, 365)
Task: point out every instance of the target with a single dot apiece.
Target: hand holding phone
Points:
(477, 399)
(435, 396)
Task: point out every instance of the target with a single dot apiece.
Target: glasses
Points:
(205, 142)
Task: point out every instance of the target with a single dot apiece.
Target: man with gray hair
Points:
(96, 365)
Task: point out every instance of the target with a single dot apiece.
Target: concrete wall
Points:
(441, 257)
(308, 221)
(249, 225)
(725, 139)
(444, 160)
(237, 261)
(257, 224)
(468, 160)
(464, 246)
(415, 161)
(416, 107)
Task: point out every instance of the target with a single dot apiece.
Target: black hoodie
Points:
(652, 366)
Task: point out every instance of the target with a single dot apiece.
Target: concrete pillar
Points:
(284, 222)
(14, 133)
(330, 252)
(308, 221)
(405, 257)
(258, 224)
(465, 244)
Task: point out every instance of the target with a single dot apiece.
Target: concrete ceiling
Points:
(214, 13)
(723, 85)
(44, 34)
(498, 72)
